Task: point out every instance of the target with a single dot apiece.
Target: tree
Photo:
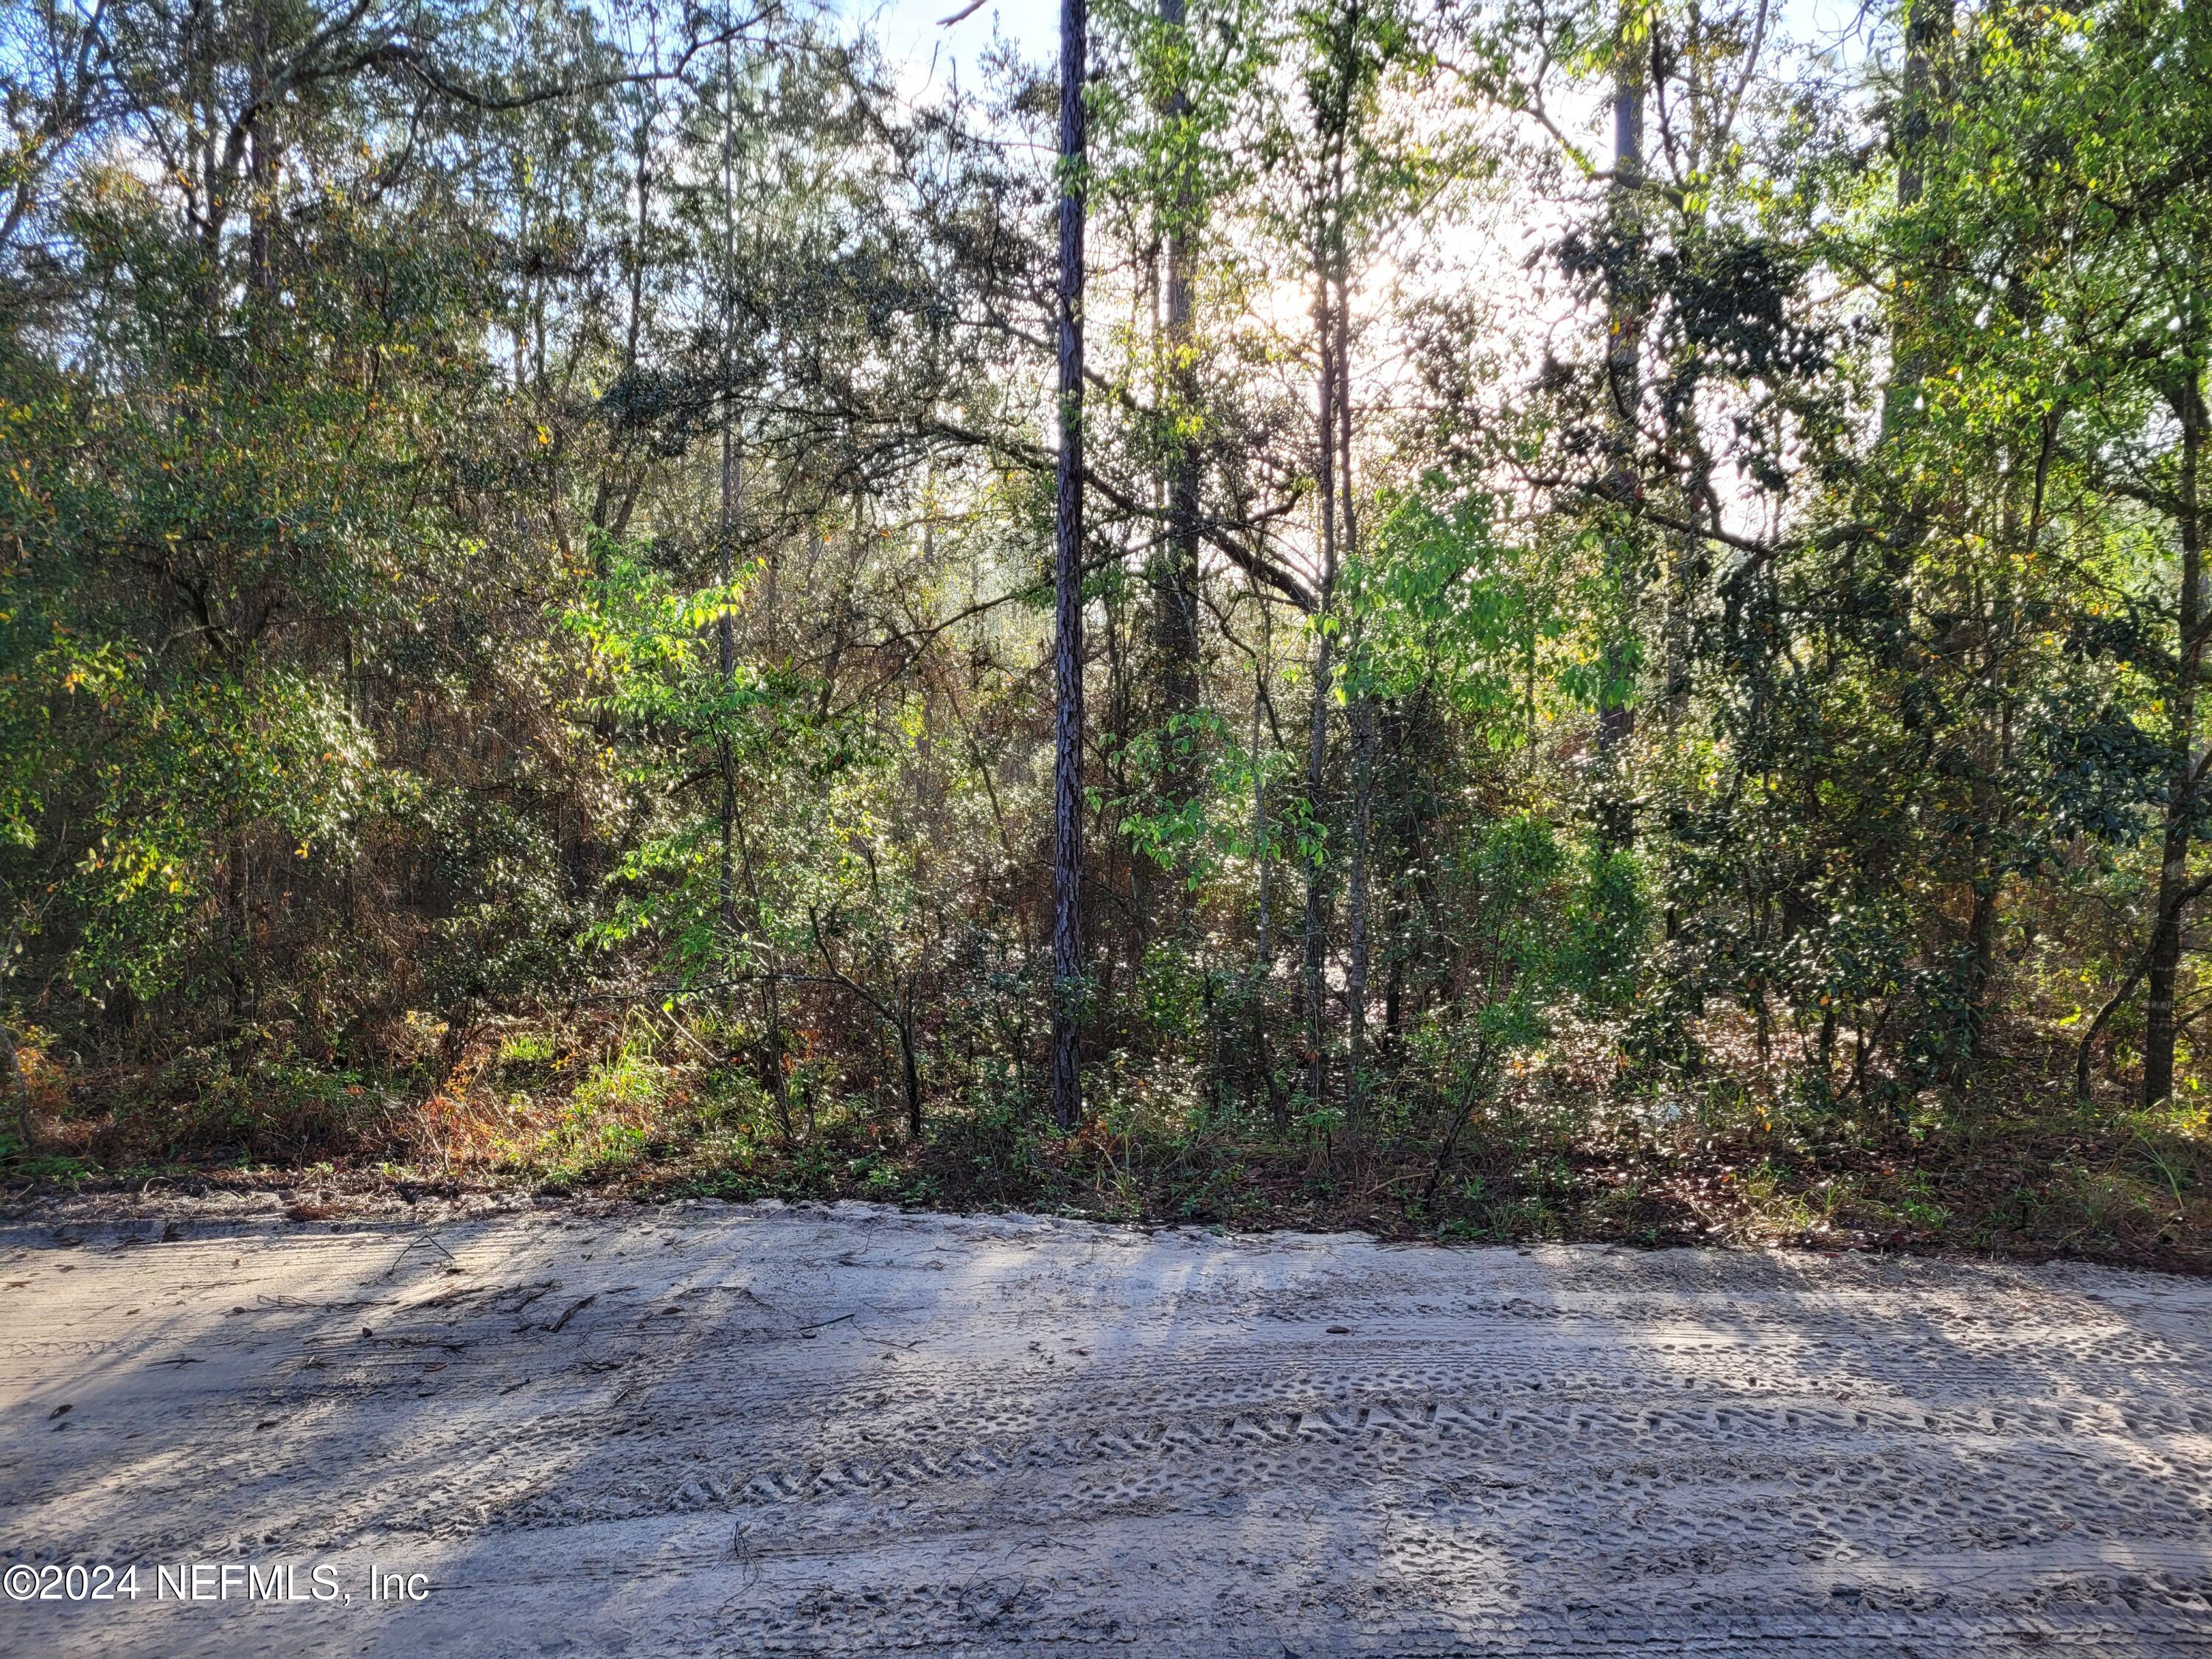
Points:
(1068, 586)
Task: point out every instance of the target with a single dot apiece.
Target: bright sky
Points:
(912, 34)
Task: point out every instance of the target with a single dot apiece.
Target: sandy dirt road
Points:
(710, 1430)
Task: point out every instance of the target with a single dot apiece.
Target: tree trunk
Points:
(1928, 26)
(1355, 906)
(1316, 919)
(1920, 132)
(1990, 812)
(1176, 593)
(1317, 907)
(729, 531)
(634, 255)
(726, 625)
(1616, 717)
(22, 1088)
(261, 170)
(911, 1069)
(2181, 792)
(200, 53)
(1067, 584)
(1263, 939)
(1981, 968)
(1363, 727)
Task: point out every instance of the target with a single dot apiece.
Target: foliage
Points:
(524, 623)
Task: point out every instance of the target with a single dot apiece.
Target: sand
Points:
(739, 1430)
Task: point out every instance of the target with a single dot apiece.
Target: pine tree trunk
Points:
(1616, 718)
(1175, 594)
(2182, 788)
(261, 172)
(1263, 940)
(1920, 134)
(726, 638)
(200, 51)
(1362, 729)
(1317, 907)
(1316, 918)
(1356, 906)
(1991, 814)
(1067, 584)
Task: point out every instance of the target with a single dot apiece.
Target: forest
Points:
(1477, 618)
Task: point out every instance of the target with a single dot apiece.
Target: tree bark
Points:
(1992, 812)
(910, 1068)
(1363, 725)
(1616, 717)
(1316, 918)
(726, 638)
(729, 531)
(206, 120)
(1263, 940)
(1920, 132)
(261, 172)
(1356, 906)
(1176, 593)
(1067, 584)
(22, 1088)
(2182, 787)
(1928, 26)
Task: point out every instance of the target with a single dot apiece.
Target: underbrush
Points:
(1571, 1143)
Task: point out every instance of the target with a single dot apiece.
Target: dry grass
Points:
(1574, 1144)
